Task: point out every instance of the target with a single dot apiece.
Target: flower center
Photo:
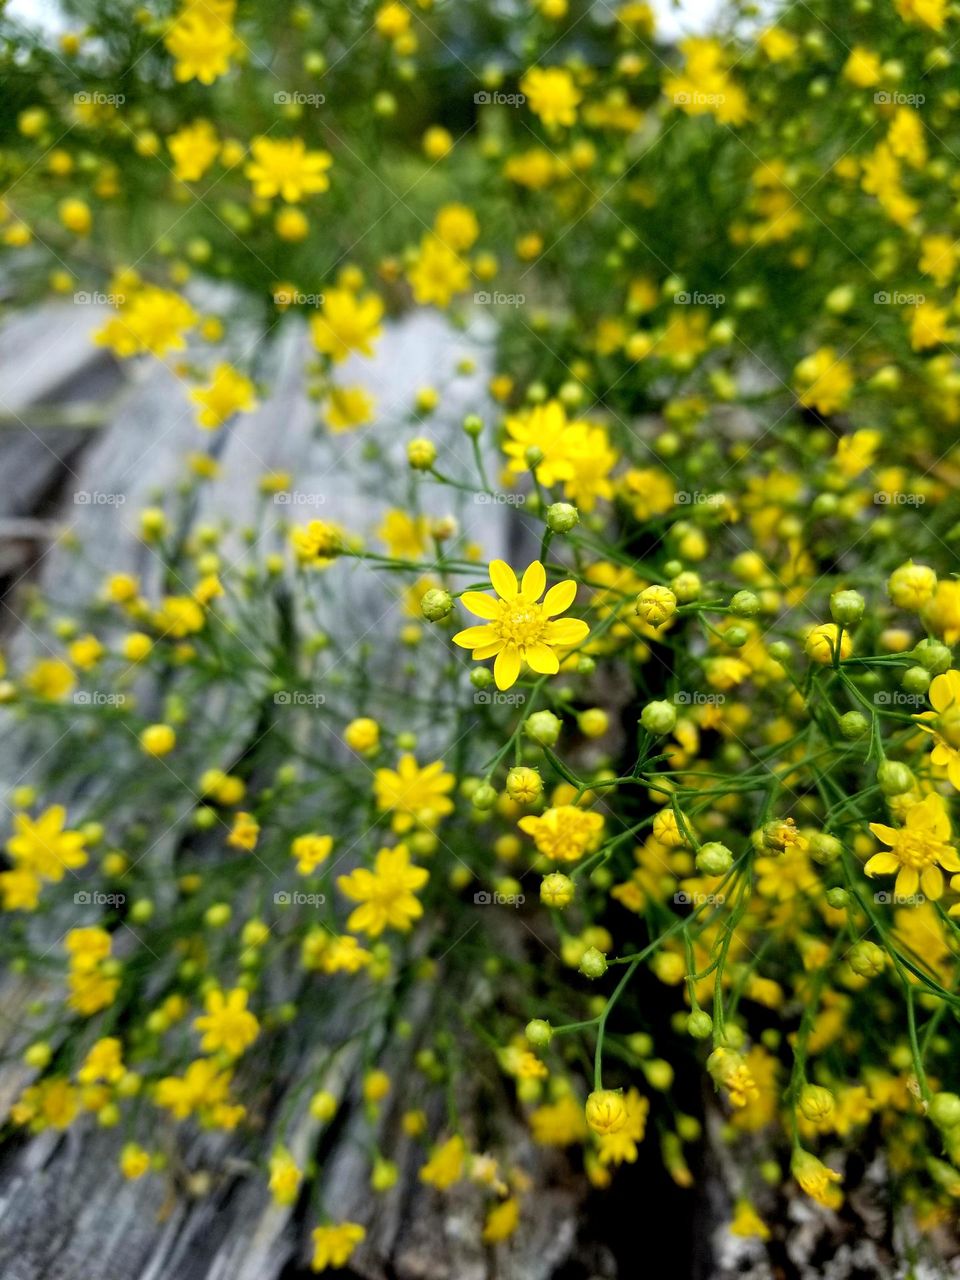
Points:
(918, 850)
(520, 623)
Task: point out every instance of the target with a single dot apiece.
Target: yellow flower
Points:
(244, 832)
(911, 585)
(362, 735)
(552, 95)
(155, 320)
(517, 628)
(43, 847)
(230, 392)
(437, 273)
(620, 1145)
(606, 1111)
(194, 148)
(863, 67)
(944, 697)
(102, 1063)
(502, 1221)
(134, 1161)
(285, 1177)
(564, 833)
(941, 613)
(414, 795)
(932, 13)
(820, 643)
(333, 1246)
(202, 41)
(227, 1023)
(317, 543)
(816, 1179)
(404, 536)
(928, 326)
(343, 955)
(310, 850)
(386, 894)
(349, 408)
(558, 1124)
(915, 850)
(540, 440)
(392, 20)
(348, 322)
(203, 1084)
(284, 167)
(747, 1222)
(50, 678)
(456, 225)
(825, 381)
(445, 1166)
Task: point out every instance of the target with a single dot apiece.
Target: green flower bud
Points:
(894, 778)
(847, 607)
(714, 859)
(539, 1033)
(543, 727)
(436, 604)
(593, 963)
(562, 517)
(658, 717)
(700, 1025)
(745, 604)
(853, 724)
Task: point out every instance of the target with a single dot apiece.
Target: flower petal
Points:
(488, 650)
(542, 659)
(475, 637)
(565, 632)
(480, 604)
(882, 864)
(507, 667)
(931, 882)
(503, 578)
(534, 581)
(908, 882)
(559, 598)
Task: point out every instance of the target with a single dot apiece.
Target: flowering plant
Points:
(676, 780)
